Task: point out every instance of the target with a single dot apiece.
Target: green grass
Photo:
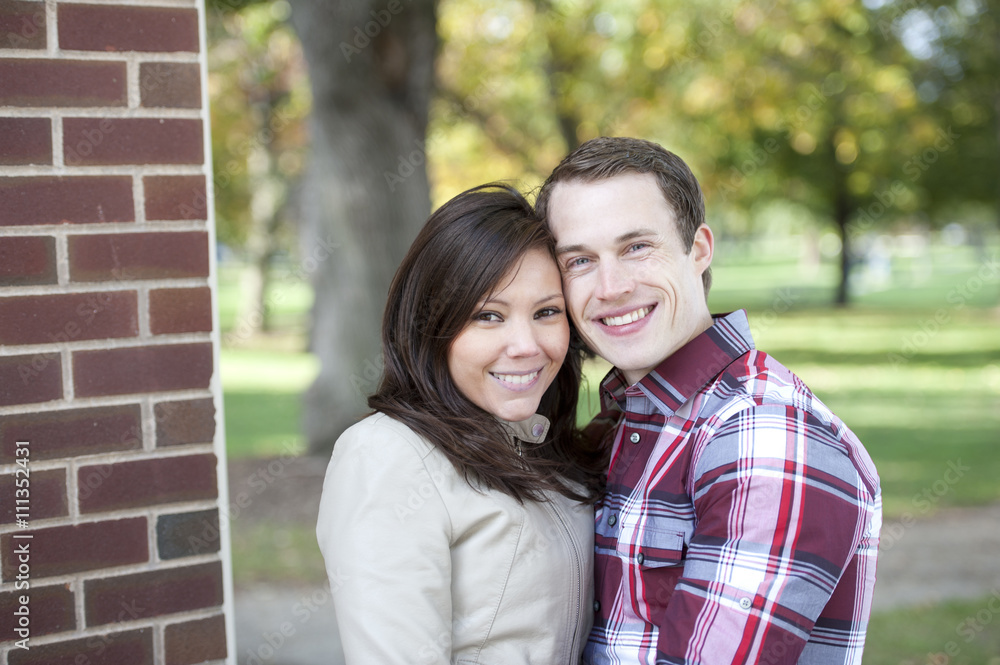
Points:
(270, 552)
(963, 632)
(262, 397)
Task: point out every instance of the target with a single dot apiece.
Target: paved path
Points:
(954, 554)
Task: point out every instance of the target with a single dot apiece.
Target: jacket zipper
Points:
(579, 580)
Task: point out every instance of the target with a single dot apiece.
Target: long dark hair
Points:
(459, 258)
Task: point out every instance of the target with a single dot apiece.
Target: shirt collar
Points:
(688, 369)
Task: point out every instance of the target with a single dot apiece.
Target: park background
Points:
(850, 156)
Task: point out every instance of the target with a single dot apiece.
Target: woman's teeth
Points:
(632, 317)
(516, 378)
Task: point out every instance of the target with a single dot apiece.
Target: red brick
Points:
(147, 482)
(195, 641)
(144, 369)
(64, 550)
(175, 197)
(72, 432)
(141, 141)
(127, 256)
(47, 496)
(30, 379)
(25, 140)
(62, 83)
(153, 593)
(22, 25)
(59, 200)
(177, 310)
(185, 421)
(121, 28)
(28, 260)
(170, 85)
(51, 611)
(132, 647)
(68, 317)
(187, 534)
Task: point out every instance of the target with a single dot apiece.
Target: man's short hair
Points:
(606, 157)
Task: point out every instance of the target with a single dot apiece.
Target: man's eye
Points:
(577, 262)
(635, 247)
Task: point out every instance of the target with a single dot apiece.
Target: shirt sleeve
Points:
(780, 511)
(385, 536)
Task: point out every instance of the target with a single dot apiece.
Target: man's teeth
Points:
(517, 378)
(632, 317)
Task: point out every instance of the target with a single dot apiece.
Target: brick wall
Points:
(108, 341)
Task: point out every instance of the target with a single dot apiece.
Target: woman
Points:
(456, 522)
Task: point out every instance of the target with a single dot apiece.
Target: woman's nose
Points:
(523, 340)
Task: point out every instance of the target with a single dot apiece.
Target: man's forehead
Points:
(619, 208)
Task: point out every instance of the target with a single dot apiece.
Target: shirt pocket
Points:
(659, 543)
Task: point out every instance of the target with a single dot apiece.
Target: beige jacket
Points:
(424, 569)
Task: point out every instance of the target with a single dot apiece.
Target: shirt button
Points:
(597, 606)
(745, 603)
(634, 438)
(611, 520)
(537, 429)
(639, 559)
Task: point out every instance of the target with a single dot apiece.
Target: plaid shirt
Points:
(741, 519)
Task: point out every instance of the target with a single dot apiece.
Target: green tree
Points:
(259, 101)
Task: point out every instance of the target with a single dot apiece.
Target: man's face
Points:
(635, 295)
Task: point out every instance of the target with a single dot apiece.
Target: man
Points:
(741, 518)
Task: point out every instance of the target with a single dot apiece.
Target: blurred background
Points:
(850, 157)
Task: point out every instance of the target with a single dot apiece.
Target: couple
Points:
(715, 512)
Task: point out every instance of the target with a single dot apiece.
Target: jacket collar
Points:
(531, 430)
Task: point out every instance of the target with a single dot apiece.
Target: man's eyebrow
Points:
(623, 238)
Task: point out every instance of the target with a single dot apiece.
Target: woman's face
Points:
(510, 352)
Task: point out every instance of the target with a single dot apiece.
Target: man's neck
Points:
(634, 376)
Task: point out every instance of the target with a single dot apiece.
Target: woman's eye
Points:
(548, 311)
(488, 316)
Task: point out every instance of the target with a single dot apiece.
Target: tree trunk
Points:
(365, 192)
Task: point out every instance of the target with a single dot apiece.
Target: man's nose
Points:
(614, 281)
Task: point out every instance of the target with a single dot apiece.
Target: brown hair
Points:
(458, 259)
(606, 157)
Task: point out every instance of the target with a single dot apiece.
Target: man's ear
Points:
(702, 248)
